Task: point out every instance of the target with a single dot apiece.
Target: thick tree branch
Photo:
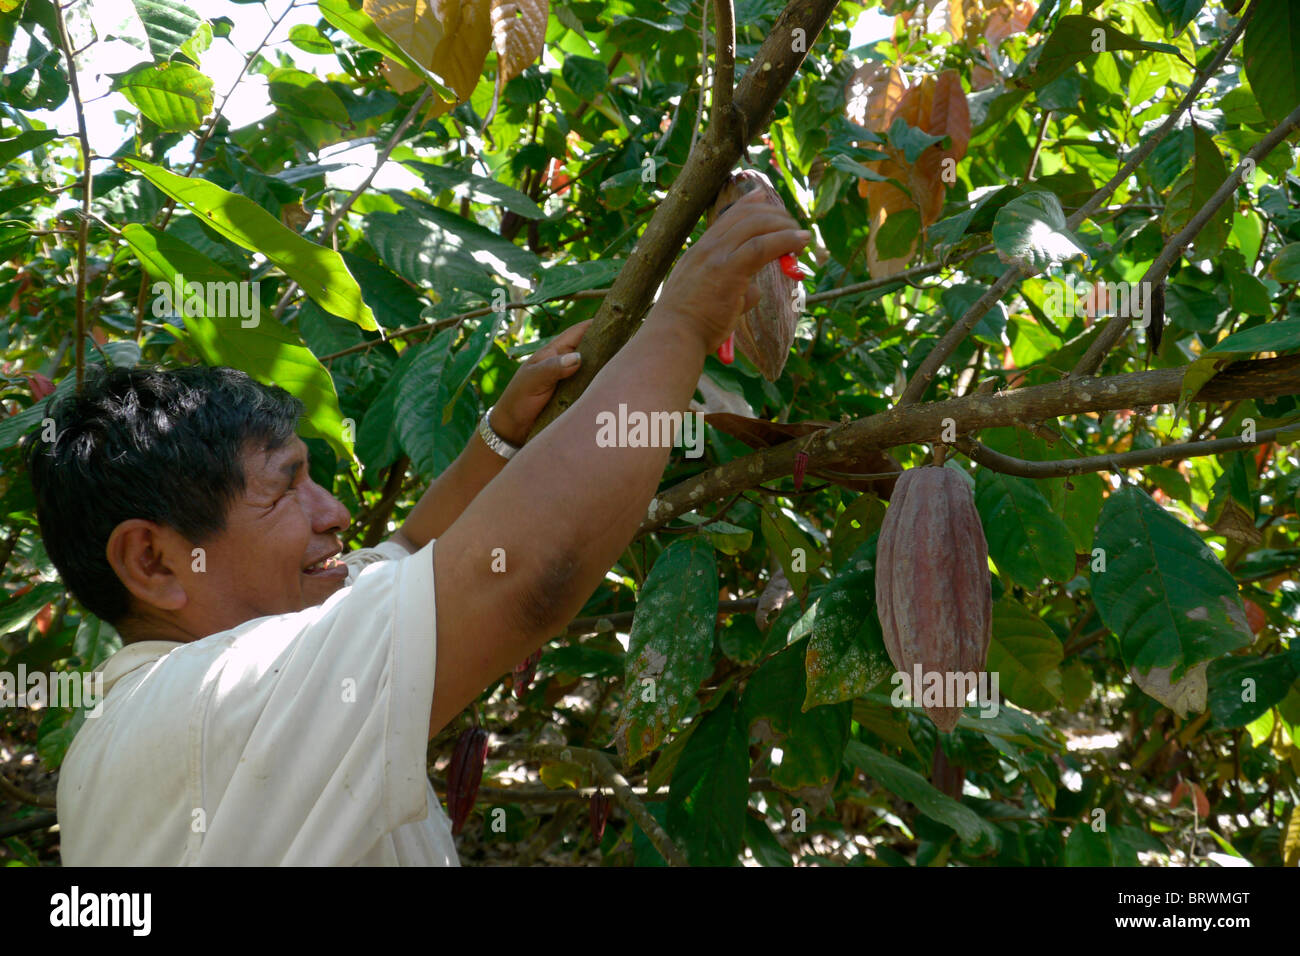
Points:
(691, 193)
(724, 58)
(1114, 329)
(901, 426)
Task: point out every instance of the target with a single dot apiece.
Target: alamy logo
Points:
(216, 300)
(945, 689)
(76, 908)
(651, 430)
(1068, 298)
(70, 689)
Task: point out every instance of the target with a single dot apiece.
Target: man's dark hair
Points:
(160, 444)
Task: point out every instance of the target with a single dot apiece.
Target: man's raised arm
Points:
(565, 508)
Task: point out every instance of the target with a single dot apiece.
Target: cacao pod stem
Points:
(800, 466)
(465, 774)
(598, 813)
(524, 673)
(727, 350)
(791, 268)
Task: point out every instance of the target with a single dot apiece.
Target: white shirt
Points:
(295, 739)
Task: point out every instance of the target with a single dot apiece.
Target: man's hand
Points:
(534, 383)
(713, 283)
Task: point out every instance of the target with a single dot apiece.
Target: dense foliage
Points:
(1144, 619)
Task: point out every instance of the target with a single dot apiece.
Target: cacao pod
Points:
(933, 589)
(766, 332)
(598, 812)
(524, 672)
(465, 774)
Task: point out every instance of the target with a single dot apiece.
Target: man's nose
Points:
(328, 513)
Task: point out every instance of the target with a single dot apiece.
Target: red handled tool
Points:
(727, 350)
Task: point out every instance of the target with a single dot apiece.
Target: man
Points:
(273, 706)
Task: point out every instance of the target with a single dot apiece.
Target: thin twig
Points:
(949, 343)
(1113, 462)
(87, 182)
(380, 160)
(14, 792)
(1173, 250)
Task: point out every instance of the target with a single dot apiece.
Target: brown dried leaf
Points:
(872, 95)
(518, 33)
(417, 26)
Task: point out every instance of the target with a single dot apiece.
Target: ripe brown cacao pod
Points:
(464, 775)
(933, 589)
(766, 332)
(598, 813)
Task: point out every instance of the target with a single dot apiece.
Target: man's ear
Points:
(145, 555)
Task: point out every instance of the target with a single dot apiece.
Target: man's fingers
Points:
(762, 249)
(566, 341)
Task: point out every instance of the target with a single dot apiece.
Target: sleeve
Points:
(315, 725)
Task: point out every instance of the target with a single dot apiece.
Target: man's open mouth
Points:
(327, 565)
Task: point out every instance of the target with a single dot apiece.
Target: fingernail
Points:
(570, 359)
(804, 234)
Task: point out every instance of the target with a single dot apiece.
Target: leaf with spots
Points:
(846, 654)
(670, 646)
(1163, 592)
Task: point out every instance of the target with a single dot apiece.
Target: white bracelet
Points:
(493, 440)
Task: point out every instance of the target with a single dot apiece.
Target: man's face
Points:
(270, 557)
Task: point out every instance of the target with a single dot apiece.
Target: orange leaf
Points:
(872, 95)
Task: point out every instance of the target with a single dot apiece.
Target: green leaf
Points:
(348, 16)
(1149, 74)
(1242, 689)
(1026, 538)
(957, 301)
(18, 612)
(709, 794)
(20, 195)
(767, 850)
(812, 742)
(1075, 39)
(1086, 847)
(418, 407)
(175, 96)
(792, 549)
(895, 238)
(1248, 294)
(309, 39)
(1163, 592)
(467, 360)
(912, 141)
(1266, 337)
(584, 76)
(267, 351)
(438, 249)
(1272, 54)
(318, 270)
(377, 442)
(167, 24)
(479, 189)
(855, 527)
(1031, 230)
(1192, 190)
(10, 148)
(670, 646)
(1285, 267)
(728, 538)
(300, 94)
(1180, 12)
(846, 654)
(906, 783)
(1026, 655)
(558, 280)
(96, 642)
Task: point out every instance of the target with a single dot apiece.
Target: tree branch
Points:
(87, 182)
(1130, 459)
(900, 426)
(689, 196)
(724, 58)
